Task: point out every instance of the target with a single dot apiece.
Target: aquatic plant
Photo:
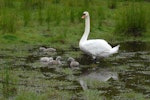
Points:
(131, 95)
(8, 87)
(27, 96)
(131, 20)
(112, 4)
(92, 95)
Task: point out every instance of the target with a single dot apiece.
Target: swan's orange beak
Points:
(83, 17)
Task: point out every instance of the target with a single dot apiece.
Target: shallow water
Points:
(125, 72)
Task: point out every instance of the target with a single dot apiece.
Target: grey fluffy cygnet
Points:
(43, 49)
(46, 59)
(73, 63)
(56, 62)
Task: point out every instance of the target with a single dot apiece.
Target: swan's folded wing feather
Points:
(96, 47)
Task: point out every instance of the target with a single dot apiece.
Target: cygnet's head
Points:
(50, 58)
(70, 59)
(58, 58)
(85, 14)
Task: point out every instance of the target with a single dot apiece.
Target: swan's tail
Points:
(114, 49)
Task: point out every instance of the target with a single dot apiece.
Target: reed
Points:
(101, 16)
(8, 21)
(8, 3)
(72, 16)
(40, 6)
(8, 88)
(48, 17)
(56, 1)
(57, 15)
(131, 20)
(26, 17)
(112, 4)
(40, 16)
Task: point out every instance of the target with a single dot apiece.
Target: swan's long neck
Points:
(87, 30)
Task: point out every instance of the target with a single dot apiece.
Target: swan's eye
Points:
(84, 14)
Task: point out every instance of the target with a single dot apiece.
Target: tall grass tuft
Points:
(57, 13)
(8, 21)
(8, 3)
(40, 6)
(131, 20)
(8, 88)
(56, 1)
(101, 16)
(72, 15)
(40, 16)
(112, 4)
(48, 17)
(26, 17)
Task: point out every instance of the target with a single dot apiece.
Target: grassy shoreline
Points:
(51, 23)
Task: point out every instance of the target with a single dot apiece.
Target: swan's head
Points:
(85, 14)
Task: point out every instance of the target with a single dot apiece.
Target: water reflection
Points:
(101, 75)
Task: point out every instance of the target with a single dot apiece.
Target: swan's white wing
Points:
(95, 47)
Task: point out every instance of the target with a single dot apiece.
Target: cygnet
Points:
(73, 63)
(46, 59)
(47, 49)
(56, 62)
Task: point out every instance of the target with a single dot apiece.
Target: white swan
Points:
(96, 48)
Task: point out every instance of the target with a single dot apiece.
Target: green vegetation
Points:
(132, 20)
(25, 25)
(8, 86)
(58, 22)
(112, 4)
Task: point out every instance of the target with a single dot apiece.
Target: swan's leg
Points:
(95, 60)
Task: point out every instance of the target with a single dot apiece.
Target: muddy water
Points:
(123, 73)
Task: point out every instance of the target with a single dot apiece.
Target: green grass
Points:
(132, 20)
(92, 95)
(59, 22)
(112, 4)
(8, 87)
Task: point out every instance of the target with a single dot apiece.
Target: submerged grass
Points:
(8, 84)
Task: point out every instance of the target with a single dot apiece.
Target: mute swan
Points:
(56, 62)
(73, 63)
(96, 48)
